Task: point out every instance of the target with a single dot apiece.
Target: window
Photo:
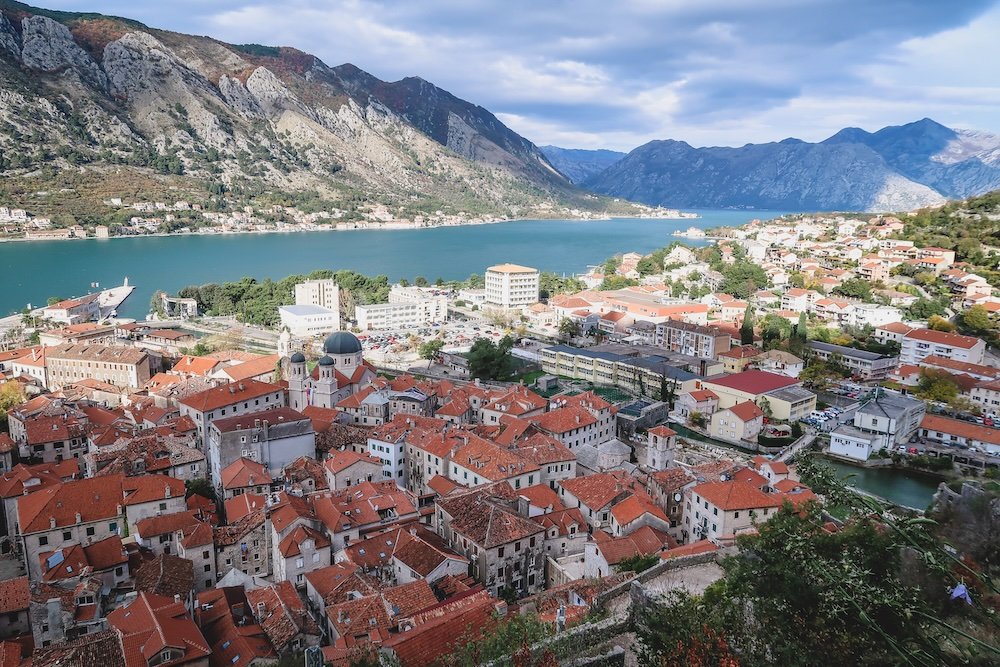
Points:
(204, 554)
(316, 557)
(113, 526)
(299, 562)
(517, 546)
(90, 531)
(499, 551)
(67, 536)
(208, 567)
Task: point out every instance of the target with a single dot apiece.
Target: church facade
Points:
(341, 372)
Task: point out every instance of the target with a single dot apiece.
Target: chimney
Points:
(52, 522)
(177, 598)
(79, 518)
(166, 491)
(260, 611)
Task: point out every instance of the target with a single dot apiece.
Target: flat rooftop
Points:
(300, 311)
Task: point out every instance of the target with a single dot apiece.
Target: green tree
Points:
(923, 308)
(936, 385)
(614, 282)
(977, 320)
(746, 328)
(430, 349)
(11, 396)
(569, 329)
(200, 486)
(638, 563)
(420, 281)
(742, 278)
(491, 361)
(855, 288)
(938, 323)
(698, 419)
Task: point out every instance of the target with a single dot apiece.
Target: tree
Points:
(746, 328)
(612, 282)
(698, 419)
(199, 487)
(403, 282)
(796, 592)
(11, 396)
(489, 360)
(855, 288)
(431, 349)
(765, 406)
(742, 278)
(420, 281)
(668, 391)
(977, 320)
(638, 563)
(936, 385)
(923, 308)
(938, 323)
(568, 328)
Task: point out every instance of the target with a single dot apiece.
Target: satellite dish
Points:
(677, 497)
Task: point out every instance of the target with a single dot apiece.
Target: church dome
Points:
(326, 360)
(342, 342)
(298, 358)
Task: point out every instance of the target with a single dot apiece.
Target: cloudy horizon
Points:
(592, 75)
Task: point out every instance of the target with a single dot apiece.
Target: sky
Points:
(617, 74)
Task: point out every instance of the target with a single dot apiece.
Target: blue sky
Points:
(585, 74)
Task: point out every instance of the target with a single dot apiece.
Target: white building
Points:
(308, 320)
(407, 308)
(888, 420)
(920, 343)
(511, 286)
(325, 293)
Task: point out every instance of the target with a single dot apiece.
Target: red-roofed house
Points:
(572, 425)
(345, 468)
(719, 511)
(601, 557)
(245, 476)
(15, 594)
(738, 423)
(156, 630)
(77, 512)
(920, 343)
(701, 401)
(230, 400)
(227, 622)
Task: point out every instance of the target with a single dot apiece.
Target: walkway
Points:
(795, 447)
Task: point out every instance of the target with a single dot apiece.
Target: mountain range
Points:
(102, 106)
(580, 164)
(896, 168)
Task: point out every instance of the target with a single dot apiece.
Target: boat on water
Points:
(691, 233)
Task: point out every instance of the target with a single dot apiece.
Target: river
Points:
(36, 270)
(902, 487)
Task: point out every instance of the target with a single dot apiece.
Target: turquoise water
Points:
(33, 271)
(901, 487)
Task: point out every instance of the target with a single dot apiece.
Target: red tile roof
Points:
(753, 381)
(95, 499)
(564, 420)
(151, 623)
(244, 504)
(76, 560)
(250, 369)
(341, 460)
(229, 394)
(692, 549)
(276, 415)
(635, 507)
(281, 614)
(600, 490)
(746, 411)
(961, 428)
(642, 542)
(14, 595)
(244, 472)
(943, 338)
(662, 431)
(733, 495)
(151, 488)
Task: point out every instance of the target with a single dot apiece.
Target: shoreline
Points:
(362, 227)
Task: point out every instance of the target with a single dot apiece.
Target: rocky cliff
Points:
(120, 102)
(896, 168)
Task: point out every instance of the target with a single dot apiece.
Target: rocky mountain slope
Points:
(578, 164)
(132, 109)
(896, 168)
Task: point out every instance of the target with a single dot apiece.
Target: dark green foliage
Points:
(491, 361)
(200, 487)
(256, 302)
(855, 288)
(638, 563)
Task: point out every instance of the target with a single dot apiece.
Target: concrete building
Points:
(660, 446)
(863, 364)
(785, 397)
(125, 367)
(704, 342)
(889, 419)
(511, 286)
(738, 423)
(273, 437)
(720, 511)
(230, 400)
(309, 320)
(919, 343)
(324, 293)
